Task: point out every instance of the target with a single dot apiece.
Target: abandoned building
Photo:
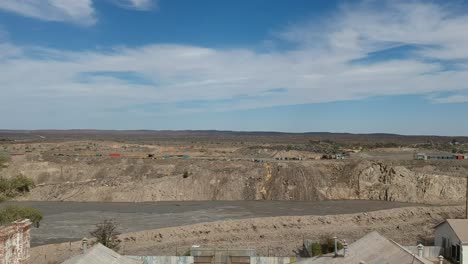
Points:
(452, 236)
(15, 243)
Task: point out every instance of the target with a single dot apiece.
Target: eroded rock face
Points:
(379, 181)
(168, 180)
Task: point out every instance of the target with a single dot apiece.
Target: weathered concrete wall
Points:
(14, 243)
(164, 259)
(190, 260)
(272, 260)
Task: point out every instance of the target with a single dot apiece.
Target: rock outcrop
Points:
(85, 179)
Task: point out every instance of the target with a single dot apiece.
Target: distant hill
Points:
(215, 135)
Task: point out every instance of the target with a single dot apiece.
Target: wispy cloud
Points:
(137, 4)
(76, 11)
(319, 67)
(81, 12)
(452, 98)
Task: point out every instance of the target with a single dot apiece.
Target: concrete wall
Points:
(272, 260)
(15, 243)
(164, 259)
(190, 260)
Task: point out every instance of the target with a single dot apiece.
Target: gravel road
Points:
(71, 221)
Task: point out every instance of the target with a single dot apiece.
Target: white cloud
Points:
(138, 4)
(79, 12)
(319, 69)
(366, 28)
(456, 98)
(76, 11)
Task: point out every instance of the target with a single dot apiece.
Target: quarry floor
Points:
(71, 221)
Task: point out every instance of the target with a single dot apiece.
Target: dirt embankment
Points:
(274, 236)
(137, 180)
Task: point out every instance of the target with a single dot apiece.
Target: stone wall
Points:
(15, 243)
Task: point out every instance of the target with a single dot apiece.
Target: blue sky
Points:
(258, 65)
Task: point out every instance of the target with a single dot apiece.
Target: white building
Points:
(452, 236)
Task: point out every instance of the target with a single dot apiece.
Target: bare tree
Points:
(106, 233)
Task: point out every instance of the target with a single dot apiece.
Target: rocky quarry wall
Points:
(121, 179)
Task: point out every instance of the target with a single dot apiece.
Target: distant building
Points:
(452, 236)
(424, 156)
(440, 157)
(420, 156)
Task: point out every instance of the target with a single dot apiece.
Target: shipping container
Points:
(114, 155)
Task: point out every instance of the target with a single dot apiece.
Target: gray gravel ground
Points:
(71, 221)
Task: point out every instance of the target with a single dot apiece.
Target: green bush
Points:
(21, 184)
(316, 249)
(328, 246)
(12, 213)
(4, 158)
(9, 188)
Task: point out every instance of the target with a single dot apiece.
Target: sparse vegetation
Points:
(12, 213)
(106, 233)
(12, 187)
(3, 160)
(316, 249)
(326, 247)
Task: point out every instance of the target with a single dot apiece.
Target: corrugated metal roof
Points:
(372, 248)
(100, 254)
(460, 227)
